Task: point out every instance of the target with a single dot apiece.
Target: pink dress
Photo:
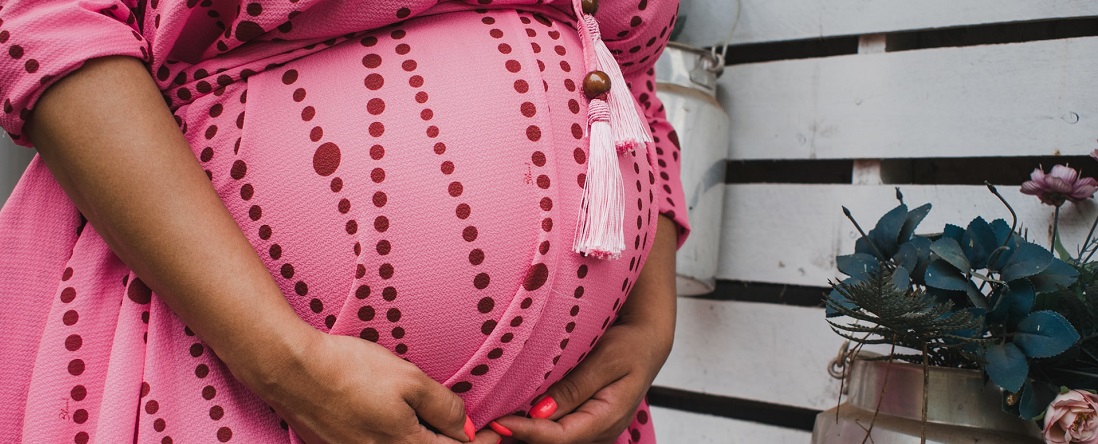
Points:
(410, 172)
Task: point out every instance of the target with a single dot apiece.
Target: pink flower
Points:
(1062, 183)
(1072, 418)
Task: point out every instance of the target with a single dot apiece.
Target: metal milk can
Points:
(961, 408)
(686, 80)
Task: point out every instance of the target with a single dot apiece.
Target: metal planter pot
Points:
(961, 408)
(687, 85)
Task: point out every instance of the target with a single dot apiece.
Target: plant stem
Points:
(885, 260)
(1013, 215)
(1056, 228)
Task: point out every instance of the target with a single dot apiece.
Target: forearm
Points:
(111, 142)
(651, 303)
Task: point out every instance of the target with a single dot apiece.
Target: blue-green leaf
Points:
(1022, 296)
(886, 234)
(978, 242)
(1006, 365)
(950, 251)
(907, 257)
(922, 247)
(858, 265)
(941, 274)
(1001, 229)
(1028, 259)
(1035, 397)
(1059, 274)
(1044, 334)
(914, 218)
(839, 299)
(901, 279)
(953, 232)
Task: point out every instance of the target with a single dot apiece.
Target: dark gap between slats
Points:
(789, 417)
(975, 35)
(781, 294)
(931, 171)
(992, 34)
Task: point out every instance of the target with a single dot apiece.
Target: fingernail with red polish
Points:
(470, 431)
(544, 408)
(496, 427)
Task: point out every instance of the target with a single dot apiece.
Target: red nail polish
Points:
(470, 431)
(544, 408)
(495, 426)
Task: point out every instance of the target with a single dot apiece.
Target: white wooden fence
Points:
(1033, 98)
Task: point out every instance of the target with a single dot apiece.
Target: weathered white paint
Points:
(1034, 98)
(765, 352)
(677, 427)
(13, 160)
(790, 234)
(709, 21)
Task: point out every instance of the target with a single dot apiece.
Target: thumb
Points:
(575, 389)
(442, 409)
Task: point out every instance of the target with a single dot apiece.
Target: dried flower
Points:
(1072, 418)
(1062, 183)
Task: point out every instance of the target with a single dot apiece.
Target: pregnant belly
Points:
(418, 187)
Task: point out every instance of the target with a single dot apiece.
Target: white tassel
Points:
(628, 129)
(600, 232)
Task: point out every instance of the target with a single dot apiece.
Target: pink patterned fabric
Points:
(411, 174)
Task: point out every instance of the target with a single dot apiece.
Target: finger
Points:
(487, 437)
(441, 408)
(426, 436)
(577, 387)
(579, 426)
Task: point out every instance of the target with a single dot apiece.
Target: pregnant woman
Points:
(334, 221)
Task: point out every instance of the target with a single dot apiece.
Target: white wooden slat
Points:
(13, 160)
(790, 234)
(765, 352)
(1033, 98)
(708, 21)
(673, 426)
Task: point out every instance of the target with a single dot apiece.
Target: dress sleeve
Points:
(672, 201)
(41, 41)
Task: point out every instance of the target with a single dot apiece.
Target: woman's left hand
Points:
(597, 401)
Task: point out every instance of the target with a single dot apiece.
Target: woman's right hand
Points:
(341, 389)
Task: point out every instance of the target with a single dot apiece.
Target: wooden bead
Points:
(595, 84)
(590, 7)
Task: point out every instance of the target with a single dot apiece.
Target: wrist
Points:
(267, 357)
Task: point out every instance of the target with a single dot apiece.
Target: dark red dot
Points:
(326, 159)
(521, 86)
(385, 271)
(504, 48)
(528, 109)
(366, 313)
(488, 20)
(67, 274)
(362, 292)
(546, 203)
(31, 66)
(495, 353)
(535, 277)
(68, 294)
(409, 65)
(337, 184)
(78, 393)
(384, 247)
(81, 438)
(139, 292)
(455, 189)
(543, 247)
(426, 114)
(352, 227)
(381, 223)
(374, 81)
(265, 232)
(73, 342)
(255, 212)
(495, 33)
(299, 94)
(462, 387)
(401, 349)
(488, 326)
(421, 97)
(238, 170)
(577, 131)
(479, 370)
(208, 392)
(432, 131)
(369, 334)
(581, 272)
(301, 288)
(469, 233)
(377, 175)
(440, 148)
(377, 152)
(564, 66)
(375, 106)
(368, 41)
(246, 30)
(486, 305)
(159, 425)
(513, 65)
(481, 280)
(70, 317)
(543, 182)
(538, 158)
(403, 12)
(388, 293)
(447, 167)
(15, 51)
(316, 305)
(288, 77)
(533, 133)
(393, 314)
(476, 257)
(224, 434)
(462, 211)
(516, 321)
(287, 270)
(547, 225)
(371, 60)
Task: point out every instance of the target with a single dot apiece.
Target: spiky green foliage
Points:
(904, 317)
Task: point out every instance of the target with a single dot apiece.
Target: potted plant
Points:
(981, 297)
